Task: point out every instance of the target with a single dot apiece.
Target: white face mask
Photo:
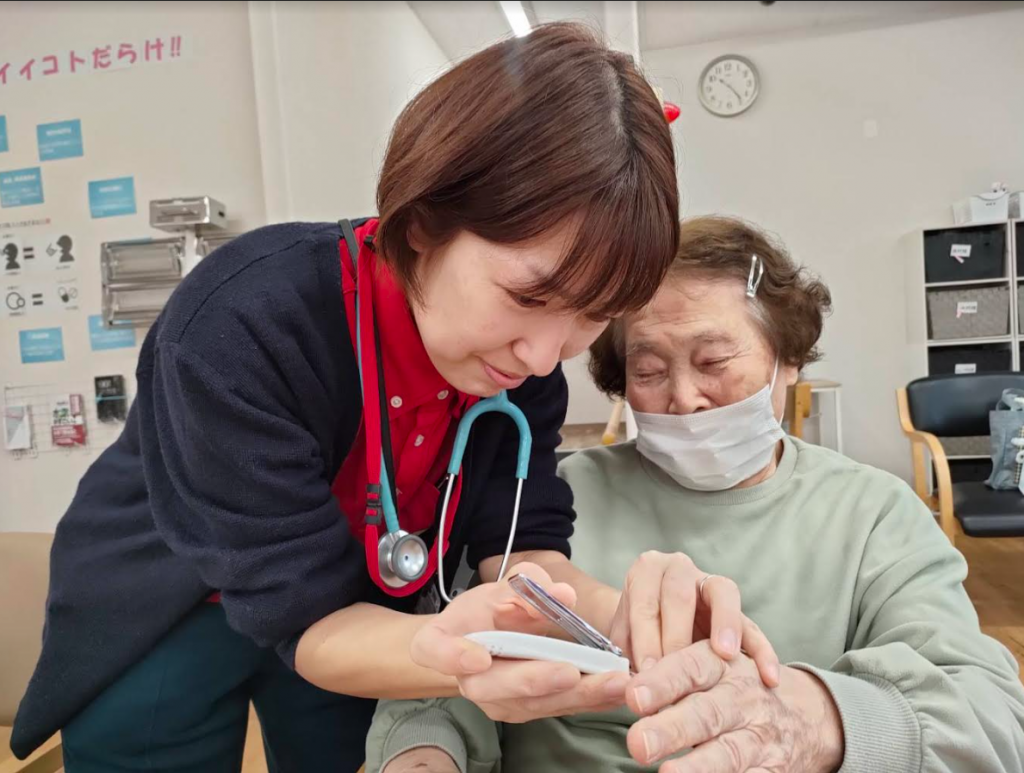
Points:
(713, 450)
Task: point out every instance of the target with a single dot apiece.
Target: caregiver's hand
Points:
(662, 610)
(511, 690)
(694, 699)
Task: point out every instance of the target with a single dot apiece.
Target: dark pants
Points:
(185, 708)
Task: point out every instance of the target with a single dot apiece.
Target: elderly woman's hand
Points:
(693, 699)
(664, 609)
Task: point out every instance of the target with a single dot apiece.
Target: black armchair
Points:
(958, 406)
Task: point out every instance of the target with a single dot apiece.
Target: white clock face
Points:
(729, 85)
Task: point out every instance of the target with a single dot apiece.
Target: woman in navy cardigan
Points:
(215, 549)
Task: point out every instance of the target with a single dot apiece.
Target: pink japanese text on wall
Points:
(83, 60)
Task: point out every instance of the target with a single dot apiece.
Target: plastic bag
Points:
(1006, 425)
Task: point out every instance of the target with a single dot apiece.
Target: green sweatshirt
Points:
(843, 568)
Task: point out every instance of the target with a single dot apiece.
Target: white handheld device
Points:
(591, 651)
(525, 646)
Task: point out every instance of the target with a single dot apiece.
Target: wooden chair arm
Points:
(920, 440)
(798, 407)
(48, 758)
(611, 431)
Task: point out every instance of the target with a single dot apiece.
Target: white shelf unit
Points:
(970, 341)
(967, 456)
(1013, 233)
(970, 283)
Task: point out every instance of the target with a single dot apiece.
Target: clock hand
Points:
(728, 86)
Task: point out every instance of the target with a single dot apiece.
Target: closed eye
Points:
(526, 301)
(715, 365)
(646, 376)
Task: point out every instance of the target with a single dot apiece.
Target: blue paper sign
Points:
(110, 198)
(3, 134)
(44, 344)
(59, 140)
(21, 187)
(101, 337)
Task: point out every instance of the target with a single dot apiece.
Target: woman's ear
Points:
(414, 235)
(791, 373)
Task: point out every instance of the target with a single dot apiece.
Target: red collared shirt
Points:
(423, 408)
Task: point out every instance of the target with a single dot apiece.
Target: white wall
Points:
(330, 80)
(281, 110)
(178, 128)
(274, 110)
(946, 99)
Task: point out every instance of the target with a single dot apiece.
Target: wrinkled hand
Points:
(423, 759)
(511, 690)
(733, 723)
(662, 611)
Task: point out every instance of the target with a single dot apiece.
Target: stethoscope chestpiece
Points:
(401, 557)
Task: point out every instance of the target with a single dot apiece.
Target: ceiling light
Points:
(516, 15)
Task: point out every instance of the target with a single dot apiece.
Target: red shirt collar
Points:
(409, 376)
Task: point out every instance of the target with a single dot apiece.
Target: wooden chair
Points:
(611, 430)
(798, 407)
(958, 406)
(46, 759)
(25, 568)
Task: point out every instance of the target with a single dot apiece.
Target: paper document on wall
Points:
(17, 428)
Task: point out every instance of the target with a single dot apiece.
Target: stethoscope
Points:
(402, 558)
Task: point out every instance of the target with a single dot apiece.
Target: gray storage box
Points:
(970, 312)
(979, 445)
(187, 212)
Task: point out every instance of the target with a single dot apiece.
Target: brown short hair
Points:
(526, 135)
(789, 307)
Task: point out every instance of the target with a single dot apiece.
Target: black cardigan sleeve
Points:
(239, 487)
(248, 400)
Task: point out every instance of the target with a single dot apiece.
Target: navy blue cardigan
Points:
(248, 401)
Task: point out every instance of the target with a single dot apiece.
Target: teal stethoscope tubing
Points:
(497, 404)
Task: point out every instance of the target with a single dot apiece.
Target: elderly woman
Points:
(840, 564)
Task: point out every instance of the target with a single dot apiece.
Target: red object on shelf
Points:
(671, 111)
(67, 427)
